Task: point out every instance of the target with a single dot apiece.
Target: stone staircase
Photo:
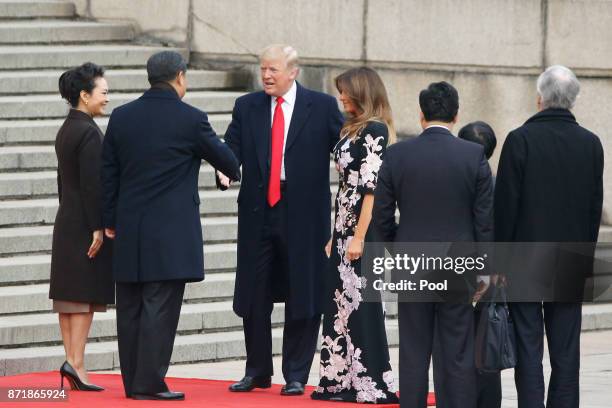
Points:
(38, 40)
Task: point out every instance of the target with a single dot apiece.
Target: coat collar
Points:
(160, 93)
(437, 131)
(552, 114)
(77, 114)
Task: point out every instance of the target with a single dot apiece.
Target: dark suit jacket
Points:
(550, 190)
(151, 161)
(75, 277)
(442, 186)
(313, 132)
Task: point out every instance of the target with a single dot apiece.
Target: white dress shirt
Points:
(287, 107)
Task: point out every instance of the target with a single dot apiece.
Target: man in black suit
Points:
(443, 188)
(549, 189)
(283, 137)
(151, 161)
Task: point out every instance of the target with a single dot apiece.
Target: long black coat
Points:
(313, 132)
(550, 190)
(150, 166)
(75, 277)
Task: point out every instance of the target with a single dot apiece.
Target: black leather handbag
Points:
(495, 337)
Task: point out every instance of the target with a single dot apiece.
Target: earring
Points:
(86, 102)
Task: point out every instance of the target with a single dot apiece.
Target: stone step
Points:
(16, 162)
(66, 56)
(63, 32)
(134, 80)
(35, 298)
(35, 268)
(206, 347)
(15, 132)
(52, 106)
(43, 211)
(14, 9)
(34, 329)
(187, 349)
(25, 185)
(23, 240)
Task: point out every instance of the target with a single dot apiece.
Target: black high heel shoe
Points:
(66, 370)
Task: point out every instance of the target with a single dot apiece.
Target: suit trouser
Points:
(454, 367)
(300, 335)
(562, 322)
(488, 385)
(147, 318)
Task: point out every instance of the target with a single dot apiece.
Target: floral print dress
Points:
(354, 363)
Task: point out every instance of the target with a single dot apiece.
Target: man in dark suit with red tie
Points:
(282, 137)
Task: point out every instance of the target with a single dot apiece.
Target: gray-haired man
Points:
(549, 190)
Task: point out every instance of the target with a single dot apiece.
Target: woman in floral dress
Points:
(354, 353)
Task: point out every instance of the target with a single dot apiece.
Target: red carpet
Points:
(199, 393)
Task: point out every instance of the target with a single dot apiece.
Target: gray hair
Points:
(558, 87)
(164, 66)
(287, 52)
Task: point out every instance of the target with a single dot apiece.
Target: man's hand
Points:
(223, 179)
(110, 233)
(96, 244)
(483, 285)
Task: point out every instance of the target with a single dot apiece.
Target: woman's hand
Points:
(355, 249)
(328, 248)
(96, 244)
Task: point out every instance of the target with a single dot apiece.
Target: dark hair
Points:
(481, 133)
(439, 102)
(165, 66)
(78, 79)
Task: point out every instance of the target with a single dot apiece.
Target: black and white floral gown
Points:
(354, 353)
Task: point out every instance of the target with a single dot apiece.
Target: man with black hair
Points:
(150, 165)
(443, 188)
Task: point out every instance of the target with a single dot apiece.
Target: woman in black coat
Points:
(81, 275)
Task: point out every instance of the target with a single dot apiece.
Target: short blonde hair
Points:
(287, 52)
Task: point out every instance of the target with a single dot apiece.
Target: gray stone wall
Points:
(491, 50)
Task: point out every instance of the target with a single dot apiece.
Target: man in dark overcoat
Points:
(549, 194)
(282, 136)
(150, 166)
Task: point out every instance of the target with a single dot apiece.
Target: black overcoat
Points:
(313, 132)
(75, 277)
(150, 166)
(550, 191)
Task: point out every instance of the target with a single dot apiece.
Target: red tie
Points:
(278, 138)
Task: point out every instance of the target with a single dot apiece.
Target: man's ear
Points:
(295, 73)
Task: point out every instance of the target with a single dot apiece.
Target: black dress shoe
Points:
(164, 396)
(249, 383)
(293, 388)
